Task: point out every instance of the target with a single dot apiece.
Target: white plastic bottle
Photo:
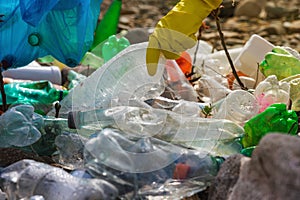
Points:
(35, 73)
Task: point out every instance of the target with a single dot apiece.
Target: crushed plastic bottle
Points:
(187, 108)
(271, 91)
(27, 178)
(239, 106)
(275, 118)
(280, 62)
(50, 130)
(116, 83)
(19, 126)
(294, 83)
(217, 136)
(112, 46)
(148, 166)
(40, 94)
(70, 149)
(92, 60)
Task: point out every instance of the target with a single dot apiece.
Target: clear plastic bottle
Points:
(149, 167)
(27, 178)
(19, 126)
(214, 135)
(239, 106)
(122, 80)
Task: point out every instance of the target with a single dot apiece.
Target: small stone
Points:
(273, 11)
(292, 27)
(137, 35)
(273, 29)
(124, 20)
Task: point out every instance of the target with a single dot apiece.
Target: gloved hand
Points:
(176, 31)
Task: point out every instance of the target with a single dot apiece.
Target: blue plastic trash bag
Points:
(35, 28)
(34, 11)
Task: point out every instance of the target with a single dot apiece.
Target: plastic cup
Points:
(251, 55)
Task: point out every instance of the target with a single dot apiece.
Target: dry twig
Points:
(215, 13)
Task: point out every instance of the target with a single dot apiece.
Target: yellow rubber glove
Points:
(175, 32)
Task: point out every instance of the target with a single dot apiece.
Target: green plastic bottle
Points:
(113, 46)
(40, 94)
(276, 118)
(109, 24)
(281, 63)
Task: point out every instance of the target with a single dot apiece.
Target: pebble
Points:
(250, 8)
(292, 27)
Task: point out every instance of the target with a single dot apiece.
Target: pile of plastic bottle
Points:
(118, 132)
(139, 136)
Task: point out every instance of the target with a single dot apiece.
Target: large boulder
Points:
(272, 173)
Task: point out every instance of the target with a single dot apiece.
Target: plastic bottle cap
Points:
(34, 39)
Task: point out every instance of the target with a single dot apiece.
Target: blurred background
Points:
(278, 21)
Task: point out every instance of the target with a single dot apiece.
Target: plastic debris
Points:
(280, 62)
(91, 60)
(74, 79)
(148, 167)
(27, 178)
(275, 118)
(40, 94)
(271, 91)
(239, 106)
(108, 26)
(294, 82)
(122, 134)
(112, 46)
(35, 73)
(177, 85)
(19, 126)
(252, 55)
(217, 136)
(114, 84)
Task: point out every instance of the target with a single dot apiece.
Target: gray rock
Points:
(250, 8)
(273, 29)
(227, 177)
(137, 35)
(273, 172)
(3, 196)
(273, 11)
